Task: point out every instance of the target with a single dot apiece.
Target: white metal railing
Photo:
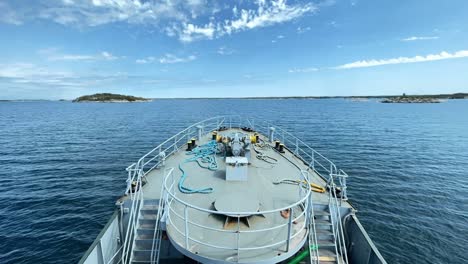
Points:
(157, 156)
(337, 225)
(313, 242)
(136, 195)
(156, 246)
(341, 177)
(179, 211)
(316, 161)
(115, 257)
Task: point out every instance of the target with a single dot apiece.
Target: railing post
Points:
(313, 161)
(186, 228)
(289, 228)
(200, 131)
(272, 134)
(175, 144)
(297, 147)
(238, 237)
(129, 182)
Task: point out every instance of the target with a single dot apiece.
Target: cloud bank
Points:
(186, 20)
(431, 57)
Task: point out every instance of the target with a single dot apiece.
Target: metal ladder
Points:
(148, 238)
(326, 246)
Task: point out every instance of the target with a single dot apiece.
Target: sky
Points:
(62, 49)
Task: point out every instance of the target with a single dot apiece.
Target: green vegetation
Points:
(108, 97)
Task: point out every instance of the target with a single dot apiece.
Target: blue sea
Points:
(62, 168)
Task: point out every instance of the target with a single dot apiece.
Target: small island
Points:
(410, 100)
(110, 98)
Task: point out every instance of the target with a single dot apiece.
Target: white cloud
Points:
(108, 56)
(176, 18)
(146, 60)
(266, 14)
(301, 30)
(224, 51)
(414, 38)
(166, 59)
(170, 58)
(27, 70)
(52, 56)
(302, 70)
(431, 57)
(33, 75)
(191, 32)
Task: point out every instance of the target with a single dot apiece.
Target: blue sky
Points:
(52, 49)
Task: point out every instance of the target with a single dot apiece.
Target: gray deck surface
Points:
(259, 189)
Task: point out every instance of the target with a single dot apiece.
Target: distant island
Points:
(410, 100)
(356, 98)
(110, 98)
(418, 99)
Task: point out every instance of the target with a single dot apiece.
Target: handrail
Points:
(337, 225)
(111, 260)
(155, 158)
(287, 137)
(168, 147)
(315, 160)
(313, 242)
(173, 200)
(155, 248)
(240, 214)
(136, 196)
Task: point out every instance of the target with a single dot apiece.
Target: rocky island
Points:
(410, 100)
(110, 98)
(413, 99)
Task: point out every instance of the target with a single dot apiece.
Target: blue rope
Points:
(205, 156)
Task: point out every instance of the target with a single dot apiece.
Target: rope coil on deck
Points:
(313, 187)
(262, 156)
(205, 156)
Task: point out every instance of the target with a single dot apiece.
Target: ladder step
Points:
(145, 244)
(141, 254)
(151, 202)
(326, 243)
(321, 213)
(324, 234)
(326, 255)
(148, 217)
(149, 209)
(147, 225)
(322, 222)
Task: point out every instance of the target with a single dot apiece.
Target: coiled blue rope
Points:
(205, 156)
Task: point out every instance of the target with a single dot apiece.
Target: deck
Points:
(223, 238)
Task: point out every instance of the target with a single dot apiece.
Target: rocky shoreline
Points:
(411, 100)
(110, 98)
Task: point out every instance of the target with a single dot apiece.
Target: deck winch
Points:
(236, 148)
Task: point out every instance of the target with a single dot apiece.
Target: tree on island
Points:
(109, 97)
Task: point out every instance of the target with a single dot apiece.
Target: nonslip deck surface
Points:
(259, 191)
